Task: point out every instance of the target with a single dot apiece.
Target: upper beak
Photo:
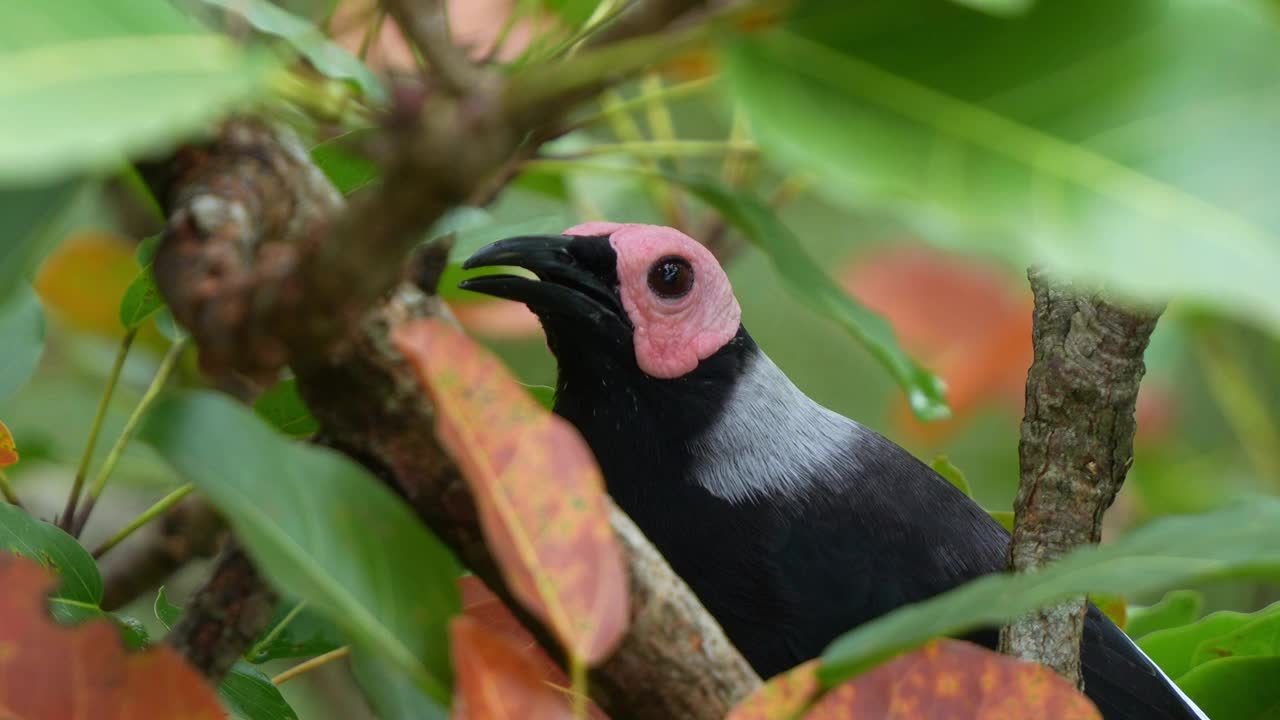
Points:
(563, 286)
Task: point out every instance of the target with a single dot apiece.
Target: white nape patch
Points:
(772, 439)
(1192, 706)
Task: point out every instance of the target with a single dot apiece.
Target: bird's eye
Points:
(671, 277)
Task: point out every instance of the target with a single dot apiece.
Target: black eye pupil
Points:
(671, 277)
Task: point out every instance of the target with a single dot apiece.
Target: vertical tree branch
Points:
(1077, 445)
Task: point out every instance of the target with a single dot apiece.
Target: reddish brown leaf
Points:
(955, 679)
(783, 697)
(51, 672)
(481, 605)
(539, 492)
(497, 679)
(8, 450)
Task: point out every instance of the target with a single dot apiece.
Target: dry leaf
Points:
(497, 679)
(538, 489)
(51, 672)
(84, 279)
(955, 679)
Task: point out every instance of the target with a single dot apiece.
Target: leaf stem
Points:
(151, 513)
(315, 662)
(667, 93)
(667, 148)
(372, 32)
(113, 457)
(274, 633)
(578, 682)
(68, 514)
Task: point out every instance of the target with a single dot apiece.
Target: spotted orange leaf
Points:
(480, 604)
(783, 697)
(497, 679)
(51, 672)
(951, 678)
(539, 492)
(8, 450)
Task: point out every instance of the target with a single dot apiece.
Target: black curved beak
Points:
(563, 287)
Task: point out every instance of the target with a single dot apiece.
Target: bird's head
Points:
(649, 295)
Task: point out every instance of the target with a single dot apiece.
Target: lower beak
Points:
(563, 287)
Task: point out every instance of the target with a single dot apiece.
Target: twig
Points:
(67, 520)
(276, 631)
(113, 457)
(159, 508)
(1077, 445)
(309, 665)
(426, 24)
(224, 616)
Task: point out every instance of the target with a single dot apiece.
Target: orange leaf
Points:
(497, 679)
(8, 450)
(480, 604)
(782, 697)
(539, 492)
(951, 678)
(51, 672)
(84, 279)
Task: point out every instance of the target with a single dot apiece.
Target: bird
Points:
(790, 522)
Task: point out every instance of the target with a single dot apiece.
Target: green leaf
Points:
(998, 7)
(141, 299)
(1174, 648)
(1004, 517)
(168, 326)
(166, 612)
(21, 338)
(1259, 637)
(249, 695)
(23, 535)
(306, 635)
(29, 227)
(951, 474)
(85, 83)
(282, 407)
(1087, 137)
(1236, 688)
(390, 693)
(73, 612)
(1176, 608)
(1239, 540)
(327, 57)
(321, 528)
(810, 284)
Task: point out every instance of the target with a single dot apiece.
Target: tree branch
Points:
(191, 529)
(426, 24)
(224, 616)
(1077, 445)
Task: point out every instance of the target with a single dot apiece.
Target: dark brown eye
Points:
(671, 277)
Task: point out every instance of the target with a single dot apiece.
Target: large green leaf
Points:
(390, 693)
(282, 406)
(1100, 139)
(322, 529)
(809, 283)
(1241, 539)
(1242, 688)
(1258, 637)
(85, 82)
(21, 338)
(249, 695)
(23, 535)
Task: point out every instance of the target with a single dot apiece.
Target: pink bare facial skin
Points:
(671, 335)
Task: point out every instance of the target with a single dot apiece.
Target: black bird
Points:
(792, 523)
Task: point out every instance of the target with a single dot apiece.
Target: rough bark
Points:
(224, 616)
(1076, 447)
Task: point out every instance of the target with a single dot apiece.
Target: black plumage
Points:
(790, 523)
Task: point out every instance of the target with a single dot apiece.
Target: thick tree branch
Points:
(1077, 445)
(426, 24)
(224, 616)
